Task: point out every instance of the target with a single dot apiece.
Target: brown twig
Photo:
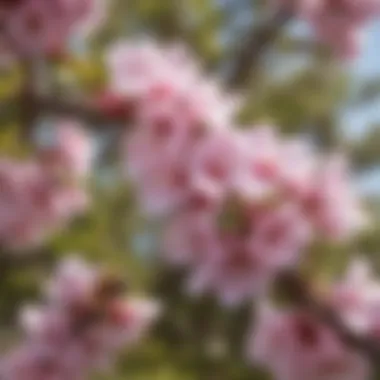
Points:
(27, 107)
(32, 105)
(250, 51)
(82, 110)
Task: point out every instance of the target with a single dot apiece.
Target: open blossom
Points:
(236, 253)
(79, 329)
(136, 68)
(175, 108)
(35, 26)
(320, 185)
(356, 297)
(69, 151)
(147, 73)
(254, 204)
(293, 345)
(345, 35)
(34, 204)
(337, 23)
(330, 202)
(39, 197)
(216, 164)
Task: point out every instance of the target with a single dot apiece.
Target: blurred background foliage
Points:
(295, 85)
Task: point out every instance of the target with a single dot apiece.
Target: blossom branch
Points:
(301, 295)
(34, 104)
(83, 110)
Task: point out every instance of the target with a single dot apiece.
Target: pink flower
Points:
(74, 281)
(70, 151)
(330, 203)
(293, 345)
(356, 297)
(251, 205)
(34, 203)
(36, 26)
(160, 170)
(240, 206)
(175, 110)
(135, 68)
(246, 264)
(234, 250)
(280, 235)
(188, 238)
(149, 72)
(216, 163)
(232, 272)
(81, 328)
(260, 170)
(344, 36)
(90, 15)
(299, 162)
(337, 23)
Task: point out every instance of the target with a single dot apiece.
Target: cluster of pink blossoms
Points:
(39, 196)
(357, 299)
(84, 322)
(293, 345)
(239, 205)
(34, 26)
(337, 23)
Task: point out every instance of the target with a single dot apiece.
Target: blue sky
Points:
(366, 65)
(369, 62)
(357, 122)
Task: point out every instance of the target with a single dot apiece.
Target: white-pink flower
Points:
(356, 297)
(234, 250)
(35, 202)
(73, 281)
(175, 109)
(69, 151)
(216, 163)
(136, 68)
(293, 345)
(331, 202)
(42, 26)
(253, 204)
(337, 23)
(83, 324)
(189, 238)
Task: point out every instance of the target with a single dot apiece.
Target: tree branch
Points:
(33, 104)
(301, 295)
(249, 52)
(28, 110)
(83, 110)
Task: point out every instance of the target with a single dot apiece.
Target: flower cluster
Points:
(239, 205)
(337, 23)
(293, 345)
(84, 322)
(28, 27)
(39, 196)
(357, 299)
